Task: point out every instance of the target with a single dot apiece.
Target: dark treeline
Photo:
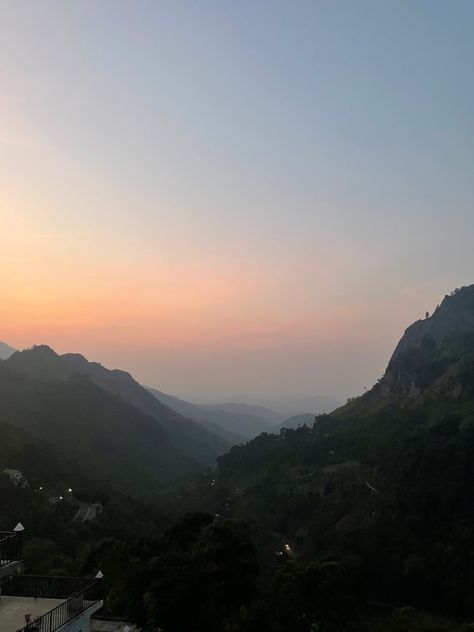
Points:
(362, 521)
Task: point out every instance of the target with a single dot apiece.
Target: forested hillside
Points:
(54, 542)
(382, 485)
(104, 420)
(362, 521)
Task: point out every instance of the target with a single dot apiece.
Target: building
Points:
(43, 604)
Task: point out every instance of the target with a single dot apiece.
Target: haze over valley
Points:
(236, 316)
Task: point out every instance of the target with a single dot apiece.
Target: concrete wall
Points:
(83, 622)
(99, 625)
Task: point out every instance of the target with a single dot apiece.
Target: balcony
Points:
(46, 604)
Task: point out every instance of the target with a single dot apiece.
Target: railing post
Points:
(19, 543)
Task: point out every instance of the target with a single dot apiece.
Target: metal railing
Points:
(10, 547)
(79, 594)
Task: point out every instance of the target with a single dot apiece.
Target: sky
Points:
(229, 199)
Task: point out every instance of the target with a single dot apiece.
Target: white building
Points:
(43, 604)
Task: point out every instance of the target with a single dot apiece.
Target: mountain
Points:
(316, 404)
(261, 413)
(103, 419)
(296, 421)
(431, 362)
(383, 485)
(235, 422)
(362, 520)
(195, 412)
(18, 450)
(455, 316)
(55, 542)
(6, 351)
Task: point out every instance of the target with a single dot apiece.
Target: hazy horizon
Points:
(288, 399)
(224, 199)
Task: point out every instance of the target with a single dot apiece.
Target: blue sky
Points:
(234, 197)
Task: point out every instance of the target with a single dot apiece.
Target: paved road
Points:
(85, 513)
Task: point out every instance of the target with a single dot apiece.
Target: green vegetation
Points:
(104, 420)
(362, 521)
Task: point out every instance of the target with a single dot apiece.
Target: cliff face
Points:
(454, 316)
(432, 361)
(429, 347)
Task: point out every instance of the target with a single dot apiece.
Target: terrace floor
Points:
(14, 609)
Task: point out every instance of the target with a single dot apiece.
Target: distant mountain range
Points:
(240, 422)
(262, 413)
(103, 419)
(372, 503)
(139, 438)
(236, 423)
(315, 404)
(296, 421)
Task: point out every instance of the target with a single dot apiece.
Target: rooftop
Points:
(34, 603)
(14, 610)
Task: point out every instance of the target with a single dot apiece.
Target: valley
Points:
(371, 502)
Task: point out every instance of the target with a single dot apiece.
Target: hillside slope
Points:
(185, 435)
(296, 421)
(429, 361)
(102, 419)
(383, 484)
(235, 421)
(193, 411)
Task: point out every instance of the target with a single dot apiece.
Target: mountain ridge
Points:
(235, 425)
(455, 315)
(41, 361)
(103, 418)
(383, 484)
(196, 413)
(425, 352)
(295, 421)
